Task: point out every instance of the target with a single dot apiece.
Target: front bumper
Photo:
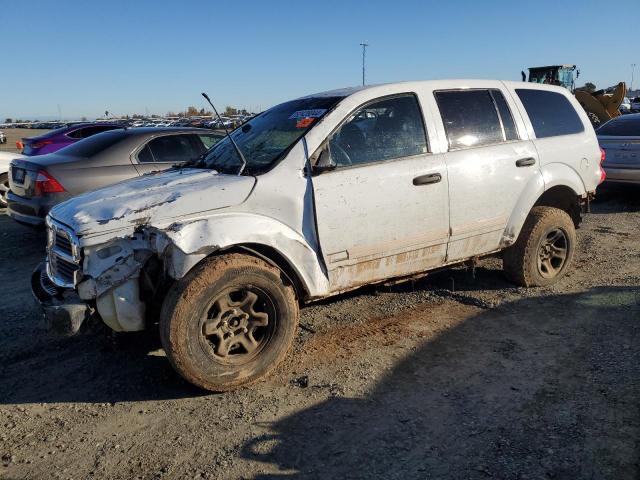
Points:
(622, 175)
(63, 310)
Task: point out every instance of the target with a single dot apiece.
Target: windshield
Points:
(264, 139)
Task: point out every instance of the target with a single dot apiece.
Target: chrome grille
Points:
(47, 285)
(63, 243)
(63, 255)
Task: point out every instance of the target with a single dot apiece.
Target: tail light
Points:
(603, 156)
(20, 145)
(41, 143)
(45, 183)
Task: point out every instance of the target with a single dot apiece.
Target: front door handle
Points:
(427, 179)
(525, 162)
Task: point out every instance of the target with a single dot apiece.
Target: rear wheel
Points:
(4, 189)
(228, 323)
(544, 249)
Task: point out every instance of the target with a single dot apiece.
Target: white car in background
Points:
(5, 160)
(3, 137)
(625, 106)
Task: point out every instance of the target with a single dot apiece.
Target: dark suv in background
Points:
(39, 183)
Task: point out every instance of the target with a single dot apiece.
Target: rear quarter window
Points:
(551, 113)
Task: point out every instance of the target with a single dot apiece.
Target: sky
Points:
(80, 58)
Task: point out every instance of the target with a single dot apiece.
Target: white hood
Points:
(156, 199)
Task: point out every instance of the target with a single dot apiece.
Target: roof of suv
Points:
(441, 84)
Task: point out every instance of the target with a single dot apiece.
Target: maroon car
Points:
(61, 137)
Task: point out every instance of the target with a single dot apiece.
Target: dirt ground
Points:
(14, 134)
(459, 375)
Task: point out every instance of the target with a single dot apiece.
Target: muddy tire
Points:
(544, 249)
(4, 189)
(229, 322)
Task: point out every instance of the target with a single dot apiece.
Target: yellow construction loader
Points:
(601, 105)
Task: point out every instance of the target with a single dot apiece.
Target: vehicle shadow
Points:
(543, 388)
(613, 198)
(92, 367)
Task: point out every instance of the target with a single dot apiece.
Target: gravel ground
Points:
(459, 375)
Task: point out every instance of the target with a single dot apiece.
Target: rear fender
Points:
(561, 174)
(530, 194)
(552, 175)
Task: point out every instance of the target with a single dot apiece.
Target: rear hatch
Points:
(621, 152)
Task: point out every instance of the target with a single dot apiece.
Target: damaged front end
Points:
(116, 280)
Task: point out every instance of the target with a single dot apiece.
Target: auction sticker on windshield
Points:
(315, 113)
(305, 122)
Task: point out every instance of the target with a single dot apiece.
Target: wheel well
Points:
(564, 198)
(275, 258)
(155, 283)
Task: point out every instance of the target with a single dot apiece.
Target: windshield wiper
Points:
(235, 145)
(193, 163)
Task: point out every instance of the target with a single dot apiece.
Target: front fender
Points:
(195, 240)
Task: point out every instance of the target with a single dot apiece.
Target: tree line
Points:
(190, 111)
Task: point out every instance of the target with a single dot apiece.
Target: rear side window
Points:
(551, 113)
(93, 145)
(145, 155)
(628, 126)
(171, 149)
(471, 117)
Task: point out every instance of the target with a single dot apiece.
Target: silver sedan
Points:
(620, 139)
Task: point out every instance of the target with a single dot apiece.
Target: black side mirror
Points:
(325, 163)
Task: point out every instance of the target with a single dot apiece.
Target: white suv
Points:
(317, 196)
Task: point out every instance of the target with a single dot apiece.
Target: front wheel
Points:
(229, 322)
(543, 252)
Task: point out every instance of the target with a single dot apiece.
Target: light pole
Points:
(364, 46)
(633, 67)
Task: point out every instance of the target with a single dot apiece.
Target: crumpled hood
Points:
(152, 199)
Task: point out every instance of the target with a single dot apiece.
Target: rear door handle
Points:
(427, 179)
(525, 162)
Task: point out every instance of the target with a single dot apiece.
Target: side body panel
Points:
(374, 223)
(92, 173)
(485, 184)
